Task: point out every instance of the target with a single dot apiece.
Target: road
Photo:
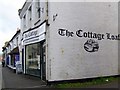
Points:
(0, 75)
(13, 80)
(25, 82)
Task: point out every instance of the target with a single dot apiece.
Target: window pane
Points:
(33, 59)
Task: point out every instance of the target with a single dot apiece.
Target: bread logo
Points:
(91, 45)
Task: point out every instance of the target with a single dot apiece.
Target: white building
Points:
(12, 48)
(69, 41)
(33, 25)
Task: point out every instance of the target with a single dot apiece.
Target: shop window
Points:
(17, 41)
(24, 21)
(33, 59)
(38, 9)
(30, 15)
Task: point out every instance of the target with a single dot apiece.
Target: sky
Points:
(9, 19)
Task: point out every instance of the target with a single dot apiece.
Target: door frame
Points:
(43, 60)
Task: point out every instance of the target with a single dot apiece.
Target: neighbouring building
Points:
(11, 51)
(33, 28)
(4, 54)
(1, 58)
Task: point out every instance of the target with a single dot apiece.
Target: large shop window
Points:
(33, 59)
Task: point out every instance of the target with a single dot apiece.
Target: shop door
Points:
(43, 62)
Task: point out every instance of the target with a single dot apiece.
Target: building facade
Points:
(11, 51)
(33, 25)
(56, 38)
(61, 42)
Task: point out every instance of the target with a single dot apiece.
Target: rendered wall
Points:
(82, 40)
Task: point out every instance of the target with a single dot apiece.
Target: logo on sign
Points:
(91, 45)
(31, 34)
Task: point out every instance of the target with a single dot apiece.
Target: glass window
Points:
(38, 8)
(17, 41)
(33, 59)
(30, 13)
(30, 16)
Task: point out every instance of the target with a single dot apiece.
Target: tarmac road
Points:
(25, 82)
(13, 80)
(0, 75)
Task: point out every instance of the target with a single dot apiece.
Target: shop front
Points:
(12, 58)
(34, 45)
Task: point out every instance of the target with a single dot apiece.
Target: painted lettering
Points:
(81, 33)
(113, 37)
(61, 32)
(87, 34)
(78, 33)
(30, 34)
(64, 32)
(69, 34)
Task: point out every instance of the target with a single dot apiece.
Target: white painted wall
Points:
(35, 21)
(15, 42)
(9, 48)
(67, 58)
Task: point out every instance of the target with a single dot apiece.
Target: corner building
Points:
(54, 57)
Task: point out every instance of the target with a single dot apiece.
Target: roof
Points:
(18, 31)
(24, 8)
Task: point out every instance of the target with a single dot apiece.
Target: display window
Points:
(13, 60)
(33, 59)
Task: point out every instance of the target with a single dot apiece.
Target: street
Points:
(13, 80)
(0, 75)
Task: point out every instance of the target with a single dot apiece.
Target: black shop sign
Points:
(88, 34)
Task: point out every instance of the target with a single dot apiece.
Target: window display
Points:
(33, 59)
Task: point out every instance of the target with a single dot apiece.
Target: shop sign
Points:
(30, 34)
(34, 35)
(87, 34)
(91, 45)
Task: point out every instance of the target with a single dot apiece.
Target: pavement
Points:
(20, 81)
(12, 81)
(0, 75)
